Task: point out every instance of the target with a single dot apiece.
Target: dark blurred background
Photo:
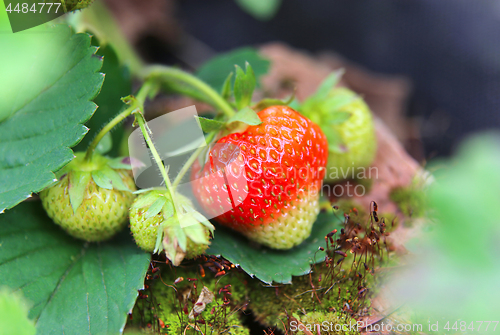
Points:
(450, 51)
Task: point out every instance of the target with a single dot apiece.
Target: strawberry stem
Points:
(174, 77)
(141, 97)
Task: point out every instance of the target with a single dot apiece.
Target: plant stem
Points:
(116, 120)
(151, 146)
(191, 160)
(145, 132)
(170, 74)
(141, 97)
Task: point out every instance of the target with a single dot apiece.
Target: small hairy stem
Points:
(191, 160)
(141, 97)
(159, 163)
(116, 120)
(172, 75)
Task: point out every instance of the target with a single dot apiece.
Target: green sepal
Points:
(294, 104)
(168, 210)
(128, 100)
(264, 103)
(209, 125)
(244, 85)
(338, 118)
(169, 242)
(102, 180)
(333, 103)
(194, 230)
(78, 182)
(117, 163)
(326, 85)
(204, 221)
(147, 200)
(115, 178)
(226, 87)
(181, 237)
(246, 115)
(159, 246)
(156, 207)
(335, 143)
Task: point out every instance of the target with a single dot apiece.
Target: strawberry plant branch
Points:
(139, 117)
(172, 75)
(141, 96)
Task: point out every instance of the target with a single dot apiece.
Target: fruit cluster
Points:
(262, 176)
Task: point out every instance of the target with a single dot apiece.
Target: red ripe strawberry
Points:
(264, 182)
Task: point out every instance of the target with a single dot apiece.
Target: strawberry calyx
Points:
(325, 107)
(101, 169)
(182, 232)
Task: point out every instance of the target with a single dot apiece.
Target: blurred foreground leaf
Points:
(14, 314)
(456, 270)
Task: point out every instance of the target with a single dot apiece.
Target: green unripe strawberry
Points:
(348, 125)
(155, 226)
(90, 201)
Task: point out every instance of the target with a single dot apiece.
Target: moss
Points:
(167, 306)
(353, 208)
(391, 220)
(333, 296)
(411, 200)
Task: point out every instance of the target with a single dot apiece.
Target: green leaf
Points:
(209, 125)
(78, 182)
(327, 84)
(155, 207)
(147, 200)
(244, 84)
(260, 9)
(226, 87)
(117, 84)
(120, 163)
(48, 80)
(271, 265)
(214, 72)
(246, 115)
(102, 180)
(116, 180)
(14, 314)
(75, 287)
